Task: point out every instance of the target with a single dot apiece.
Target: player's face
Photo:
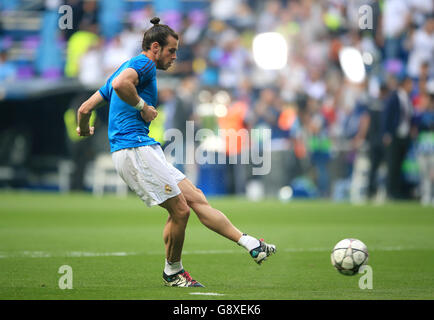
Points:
(167, 54)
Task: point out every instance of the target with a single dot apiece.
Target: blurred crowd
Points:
(330, 137)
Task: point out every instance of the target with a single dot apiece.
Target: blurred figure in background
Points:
(425, 148)
(84, 13)
(265, 115)
(78, 44)
(319, 145)
(420, 82)
(115, 54)
(395, 20)
(178, 105)
(237, 143)
(8, 70)
(186, 95)
(397, 120)
(130, 39)
(90, 71)
(376, 147)
(421, 45)
(80, 149)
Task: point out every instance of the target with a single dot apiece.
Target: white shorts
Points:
(146, 171)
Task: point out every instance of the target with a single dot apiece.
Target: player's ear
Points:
(155, 47)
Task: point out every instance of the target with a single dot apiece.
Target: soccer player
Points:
(132, 94)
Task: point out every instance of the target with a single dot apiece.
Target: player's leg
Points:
(145, 171)
(218, 222)
(174, 274)
(166, 232)
(174, 230)
(209, 216)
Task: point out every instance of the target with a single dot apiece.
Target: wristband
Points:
(140, 105)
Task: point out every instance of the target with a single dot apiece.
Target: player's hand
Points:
(149, 113)
(89, 132)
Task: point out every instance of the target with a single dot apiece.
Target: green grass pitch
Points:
(115, 249)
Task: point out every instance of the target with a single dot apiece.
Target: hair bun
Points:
(155, 20)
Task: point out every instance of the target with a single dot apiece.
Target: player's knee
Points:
(182, 212)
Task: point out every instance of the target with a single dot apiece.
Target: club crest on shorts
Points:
(167, 188)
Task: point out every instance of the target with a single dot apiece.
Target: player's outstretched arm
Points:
(84, 113)
(125, 87)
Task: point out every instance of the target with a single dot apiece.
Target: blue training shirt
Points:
(126, 127)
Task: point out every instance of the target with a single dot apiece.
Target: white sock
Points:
(171, 268)
(248, 242)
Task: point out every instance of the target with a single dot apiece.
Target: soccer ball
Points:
(349, 255)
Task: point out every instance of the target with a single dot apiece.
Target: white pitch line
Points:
(72, 254)
(100, 254)
(207, 293)
(81, 254)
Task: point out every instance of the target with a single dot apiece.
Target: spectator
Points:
(90, 70)
(319, 146)
(78, 44)
(237, 143)
(396, 138)
(224, 9)
(425, 148)
(131, 40)
(181, 102)
(376, 148)
(114, 55)
(420, 10)
(80, 149)
(234, 60)
(422, 48)
(8, 71)
(265, 115)
(269, 17)
(393, 28)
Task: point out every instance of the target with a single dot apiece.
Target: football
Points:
(349, 255)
